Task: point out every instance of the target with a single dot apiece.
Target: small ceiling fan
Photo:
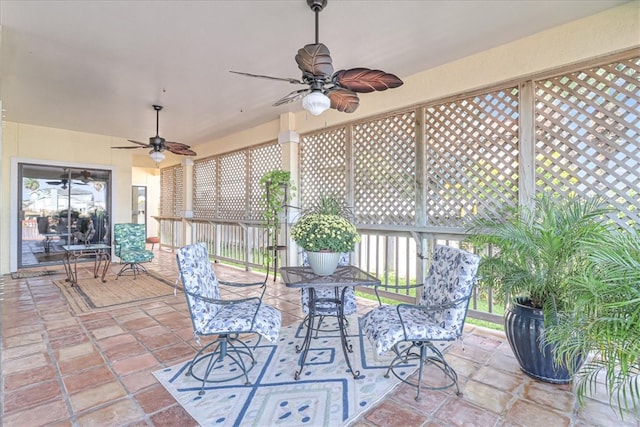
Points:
(328, 89)
(159, 144)
(85, 176)
(64, 181)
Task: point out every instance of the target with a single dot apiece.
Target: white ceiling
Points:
(98, 66)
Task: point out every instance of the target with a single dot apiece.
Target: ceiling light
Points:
(156, 156)
(316, 103)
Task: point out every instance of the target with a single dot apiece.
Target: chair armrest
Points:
(222, 301)
(238, 284)
(394, 288)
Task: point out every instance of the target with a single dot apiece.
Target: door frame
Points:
(13, 205)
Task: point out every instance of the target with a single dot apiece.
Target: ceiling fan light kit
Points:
(316, 103)
(156, 156)
(327, 89)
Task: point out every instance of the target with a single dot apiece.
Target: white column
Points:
(289, 139)
(187, 196)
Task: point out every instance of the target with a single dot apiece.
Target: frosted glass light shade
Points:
(156, 156)
(316, 103)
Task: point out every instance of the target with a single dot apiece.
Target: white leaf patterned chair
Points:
(328, 308)
(129, 241)
(409, 330)
(230, 357)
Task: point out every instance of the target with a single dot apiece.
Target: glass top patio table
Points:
(339, 281)
(304, 277)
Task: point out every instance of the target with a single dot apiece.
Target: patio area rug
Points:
(27, 274)
(325, 395)
(91, 294)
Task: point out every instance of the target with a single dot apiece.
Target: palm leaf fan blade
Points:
(364, 80)
(343, 100)
(315, 59)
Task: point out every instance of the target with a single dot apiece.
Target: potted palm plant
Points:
(606, 312)
(531, 256)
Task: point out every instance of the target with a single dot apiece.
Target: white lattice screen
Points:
(232, 189)
(205, 185)
(587, 142)
(323, 160)
(263, 159)
(384, 170)
(221, 188)
(171, 196)
(472, 157)
(588, 136)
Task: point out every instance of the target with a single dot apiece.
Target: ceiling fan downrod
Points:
(317, 6)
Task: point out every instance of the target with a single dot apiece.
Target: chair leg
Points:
(423, 353)
(132, 267)
(231, 358)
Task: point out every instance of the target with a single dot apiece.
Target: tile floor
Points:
(60, 369)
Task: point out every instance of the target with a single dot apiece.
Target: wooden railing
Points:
(396, 255)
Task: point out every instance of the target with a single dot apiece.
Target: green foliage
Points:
(318, 232)
(275, 182)
(331, 204)
(536, 253)
(606, 313)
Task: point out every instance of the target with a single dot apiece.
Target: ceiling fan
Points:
(64, 181)
(159, 144)
(328, 89)
(85, 176)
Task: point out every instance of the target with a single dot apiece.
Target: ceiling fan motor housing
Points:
(317, 5)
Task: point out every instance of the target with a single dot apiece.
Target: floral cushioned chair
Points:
(212, 315)
(409, 330)
(129, 242)
(329, 309)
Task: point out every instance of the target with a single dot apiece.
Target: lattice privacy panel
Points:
(263, 159)
(171, 196)
(232, 189)
(205, 187)
(588, 136)
(322, 165)
(384, 170)
(472, 157)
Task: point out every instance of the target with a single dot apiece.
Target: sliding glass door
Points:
(58, 206)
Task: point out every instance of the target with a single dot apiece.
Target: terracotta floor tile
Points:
(75, 351)
(120, 413)
(116, 341)
(154, 399)
(69, 341)
(536, 415)
(173, 416)
(96, 395)
(78, 364)
(139, 380)
(389, 414)
(173, 354)
(430, 400)
(25, 363)
(8, 331)
(27, 377)
(458, 412)
(487, 397)
(24, 350)
(125, 351)
(45, 414)
(158, 341)
(140, 323)
(107, 331)
(34, 395)
(555, 396)
(22, 339)
(134, 364)
(501, 380)
(89, 378)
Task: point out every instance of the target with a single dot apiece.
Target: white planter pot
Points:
(323, 263)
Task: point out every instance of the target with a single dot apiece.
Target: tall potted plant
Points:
(277, 184)
(606, 315)
(535, 256)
